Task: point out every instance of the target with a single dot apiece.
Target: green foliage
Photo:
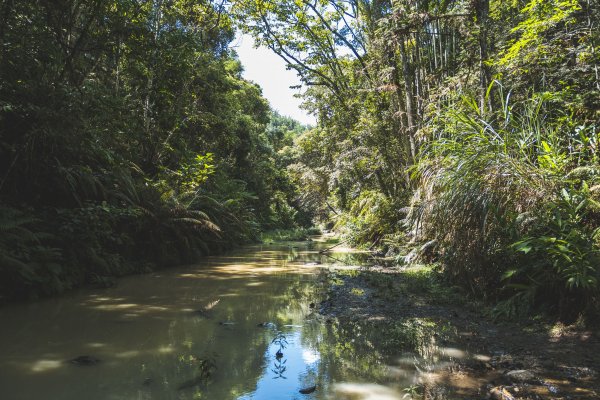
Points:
(129, 135)
(281, 131)
(408, 109)
(473, 182)
(508, 203)
(551, 47)
(288, 235)
(562, 254)
(196, 172)
(26, 258)
(543, 15)
(371, 216)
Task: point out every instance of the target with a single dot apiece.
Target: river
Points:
(240, 326)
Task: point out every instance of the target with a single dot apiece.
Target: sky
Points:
(265, 68)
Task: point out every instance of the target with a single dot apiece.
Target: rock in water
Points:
(308, 390)
(84, 360)
(499, 393)
(148, 381)
(520, 376)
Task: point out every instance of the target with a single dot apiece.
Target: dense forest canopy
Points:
(466, 131)
(129, 140)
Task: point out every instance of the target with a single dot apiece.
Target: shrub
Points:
(506, 199)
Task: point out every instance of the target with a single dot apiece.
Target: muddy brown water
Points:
(153, 333)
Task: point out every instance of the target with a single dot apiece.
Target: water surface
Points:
(248, 314)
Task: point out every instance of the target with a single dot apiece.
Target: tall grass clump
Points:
(510, 199)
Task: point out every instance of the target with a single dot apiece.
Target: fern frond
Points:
(198, 214)
(197, 222)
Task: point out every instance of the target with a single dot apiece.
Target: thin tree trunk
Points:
(410, 114)
(592, 44)
(401, 112)
(482, 9)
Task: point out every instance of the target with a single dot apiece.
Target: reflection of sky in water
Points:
(148, 330)
(301, 368)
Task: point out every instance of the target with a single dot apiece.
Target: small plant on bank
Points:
(560, 263)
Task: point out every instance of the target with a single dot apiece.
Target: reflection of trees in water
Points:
(297, 253)
(359, 350)
(279, 364)
(278, 299)
(279, 368)
(349, 352)
(346, 351)
(204, 368)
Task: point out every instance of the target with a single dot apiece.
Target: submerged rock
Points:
(207, 310)
(308, 390)
(192, 383)
(551, 388)
(84, 360)
(148, 381)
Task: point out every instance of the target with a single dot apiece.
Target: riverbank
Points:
(409, 311)
(86, 254)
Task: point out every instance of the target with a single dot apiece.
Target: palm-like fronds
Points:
(12, 219)
(24, 259)
(81, 183)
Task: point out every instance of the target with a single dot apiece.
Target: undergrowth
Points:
(284, 235)
(511, 200)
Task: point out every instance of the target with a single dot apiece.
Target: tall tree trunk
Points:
(482, 10)
(592, 29)
(408, 87)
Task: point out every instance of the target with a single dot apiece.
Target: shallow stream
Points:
(240, 326)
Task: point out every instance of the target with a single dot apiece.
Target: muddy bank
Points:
(482, 358)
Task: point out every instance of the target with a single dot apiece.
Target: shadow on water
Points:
(241, 326)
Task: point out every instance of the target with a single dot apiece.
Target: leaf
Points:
(524, 246)
(508, 274)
